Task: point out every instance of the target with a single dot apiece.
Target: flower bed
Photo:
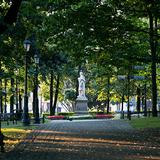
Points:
(97, 116)
(55, 117)
(103, 116)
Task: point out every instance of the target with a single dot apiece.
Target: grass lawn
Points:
(141, 123)
(15, 133)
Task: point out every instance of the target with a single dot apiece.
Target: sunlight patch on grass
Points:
(13, 136)
(14, 130)
(141, 123)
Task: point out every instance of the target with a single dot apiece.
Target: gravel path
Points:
(87, 140)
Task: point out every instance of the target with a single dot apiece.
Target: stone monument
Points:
(81, 101)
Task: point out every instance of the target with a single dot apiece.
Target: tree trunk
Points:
(122, 112)
(51, 94)
(16, 90)
(128, 95)
(1, 98)
(108, 95)
(56, 95)
(20, 102)
(153, 66)
(5, 97)
(122, 102)
(138, 99)
(145, 100)
(12, 97)
(33, 103)
(1, 104)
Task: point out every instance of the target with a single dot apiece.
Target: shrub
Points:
(30, 115)
(80, 117)
(66, 113)
(95, 112)
(46, 114)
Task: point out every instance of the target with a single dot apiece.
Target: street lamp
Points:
(25, 119)
(27, 45)
(36, 103)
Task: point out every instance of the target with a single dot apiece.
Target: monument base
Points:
(81, 107)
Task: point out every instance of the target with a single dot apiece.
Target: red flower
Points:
(103, 116)
(56, 117)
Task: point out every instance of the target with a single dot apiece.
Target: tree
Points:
(110, 34)
(11, 15)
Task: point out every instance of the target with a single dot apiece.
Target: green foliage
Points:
(70, 94)
(94, 112)
(45, 90)
(46, 114)
(104, 40)
(66, 113)
(80, 117)
(31, 115)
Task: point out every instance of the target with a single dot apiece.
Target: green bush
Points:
(95, 112)
(80, 117)
(66, 113)
(46, 114)
(31, 115)
(70, 94)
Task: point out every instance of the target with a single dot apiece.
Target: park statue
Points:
(81, 88)
(81, 101)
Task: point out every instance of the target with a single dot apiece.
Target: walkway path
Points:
(87, 140)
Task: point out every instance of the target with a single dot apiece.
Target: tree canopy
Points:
(103, 38)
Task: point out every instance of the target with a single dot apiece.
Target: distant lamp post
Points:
(36, 103)
(27, 45)
(25, 119)
(36, 59)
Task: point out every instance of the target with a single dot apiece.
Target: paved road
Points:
(86, 140)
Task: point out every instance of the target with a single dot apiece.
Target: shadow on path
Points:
(87, 140)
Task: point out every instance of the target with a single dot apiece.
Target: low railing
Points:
(9, 117)
(14, 118)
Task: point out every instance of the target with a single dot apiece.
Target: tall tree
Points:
(56, 94)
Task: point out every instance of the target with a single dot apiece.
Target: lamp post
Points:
(25, 119)
(36, 103)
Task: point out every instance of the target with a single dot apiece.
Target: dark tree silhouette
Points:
(10, 16)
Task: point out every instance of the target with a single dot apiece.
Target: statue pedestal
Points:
(81, 106)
